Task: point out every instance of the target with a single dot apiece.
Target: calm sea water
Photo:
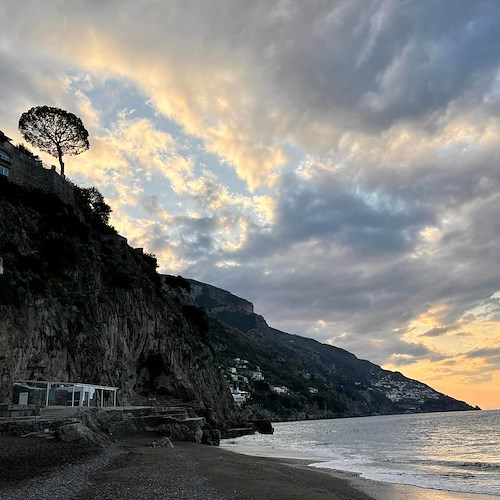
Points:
(457, 451)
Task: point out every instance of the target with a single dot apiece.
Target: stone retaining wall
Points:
(10, 410)
(29, 172)
(116, 423)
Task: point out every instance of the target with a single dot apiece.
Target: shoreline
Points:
(132, 469)
(377, 490)
(380, 490)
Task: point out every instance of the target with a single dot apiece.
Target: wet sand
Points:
(131, 469)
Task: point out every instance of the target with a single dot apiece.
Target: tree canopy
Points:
(55, 131)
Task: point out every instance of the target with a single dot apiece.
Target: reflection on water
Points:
(456, 451)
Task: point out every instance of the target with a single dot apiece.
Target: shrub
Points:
(196, 317)
(24, 149)
(151, 261)
(91, 203)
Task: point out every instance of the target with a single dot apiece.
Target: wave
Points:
(446, 481)
(480, 466)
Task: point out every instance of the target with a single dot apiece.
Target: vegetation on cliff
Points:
(78, 303)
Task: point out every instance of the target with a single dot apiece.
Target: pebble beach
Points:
(33, 468)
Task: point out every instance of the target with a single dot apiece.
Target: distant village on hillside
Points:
(240, 375)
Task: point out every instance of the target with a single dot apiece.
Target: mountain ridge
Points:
(323, 380)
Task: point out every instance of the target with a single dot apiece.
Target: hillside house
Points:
(280, 389)
(239, 396)
(23, 168)
(5, 158)
(257, 374)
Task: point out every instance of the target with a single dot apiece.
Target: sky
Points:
(335, 162)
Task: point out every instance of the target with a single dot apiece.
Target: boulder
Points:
(211, 437)
(198, 435)
(77, 433)
(263, 426)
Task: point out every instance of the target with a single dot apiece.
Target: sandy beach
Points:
(33, 468)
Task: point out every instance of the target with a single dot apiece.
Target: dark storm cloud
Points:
(493, 363)
(394, 349)
(194, 235)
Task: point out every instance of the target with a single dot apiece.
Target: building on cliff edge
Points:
(23, 168)
(59, 394)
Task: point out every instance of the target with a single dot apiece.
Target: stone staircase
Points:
(193, 408)
(178, 412)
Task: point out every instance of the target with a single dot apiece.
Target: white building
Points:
(256, 375)
(239, 396)
(280, 389)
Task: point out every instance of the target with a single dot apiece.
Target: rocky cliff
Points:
(302, 377)
(77, 303)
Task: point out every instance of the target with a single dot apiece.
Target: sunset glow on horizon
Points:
(335, 163)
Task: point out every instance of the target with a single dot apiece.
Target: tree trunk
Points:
(61, 163)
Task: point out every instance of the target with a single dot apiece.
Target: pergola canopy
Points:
(63, 393)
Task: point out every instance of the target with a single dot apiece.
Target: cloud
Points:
(334, 162)
(485, 352)
(438, 331)
(290, 73)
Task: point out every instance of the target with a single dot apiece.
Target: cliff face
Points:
(77, 303)
(320, 380)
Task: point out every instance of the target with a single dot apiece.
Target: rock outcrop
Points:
(77, 303)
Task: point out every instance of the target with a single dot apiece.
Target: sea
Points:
(452, 451)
